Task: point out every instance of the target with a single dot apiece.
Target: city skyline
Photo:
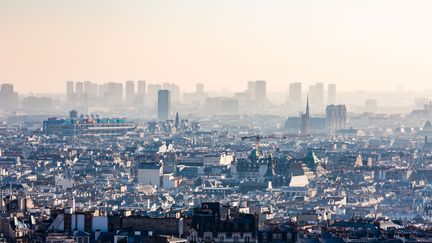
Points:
(190, 88)
(194, 121)
(220, 44)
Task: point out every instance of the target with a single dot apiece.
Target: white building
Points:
(149, 174)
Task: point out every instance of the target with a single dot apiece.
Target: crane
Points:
(272, 136)
(257, 139)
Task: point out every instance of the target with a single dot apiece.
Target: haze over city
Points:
(225, 121)
(358, 45)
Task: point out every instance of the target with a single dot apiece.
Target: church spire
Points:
(305, 119)
(177, 121)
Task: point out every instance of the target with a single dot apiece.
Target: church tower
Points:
(305, 119)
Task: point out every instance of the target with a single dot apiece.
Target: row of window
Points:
(193, 238)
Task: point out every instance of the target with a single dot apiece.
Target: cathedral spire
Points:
(305, 119)
(177, 121)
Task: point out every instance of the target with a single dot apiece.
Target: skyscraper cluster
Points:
(117, 94)
(81, 94)
(257, 90)
(315, 93)
(254, 98)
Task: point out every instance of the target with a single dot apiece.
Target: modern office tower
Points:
(70, 90)
(311, 93)
(103, 90)
(199, 88)
(89, 96)
(316, 95)
(87, 87)
(7, 89)
(257, 90)
(175, 93)
(130, 92)
(295, 92)
(260, 90)
(336, 117)
(80, 100)
(174, 89)
(90, 89)
(251, 89)
(141, 89)
(331, 94)
(166, 86)
(114, 93)
(117, 92)
(371, 106)
(140, 96)
(319, 94)
(79, 89)
(8, 98)
(164, 104)
(152, 93)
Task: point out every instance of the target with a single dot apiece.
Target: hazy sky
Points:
(358, 44)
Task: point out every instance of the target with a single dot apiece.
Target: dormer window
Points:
(207, 238)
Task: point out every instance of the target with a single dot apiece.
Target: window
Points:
(236, 239)
(247, 239)
(221, 239)
(277, 236)
(207, 238)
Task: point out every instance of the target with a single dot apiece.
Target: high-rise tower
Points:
(130, 92)
(331, 94)
(164, 104)
(295, 92)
